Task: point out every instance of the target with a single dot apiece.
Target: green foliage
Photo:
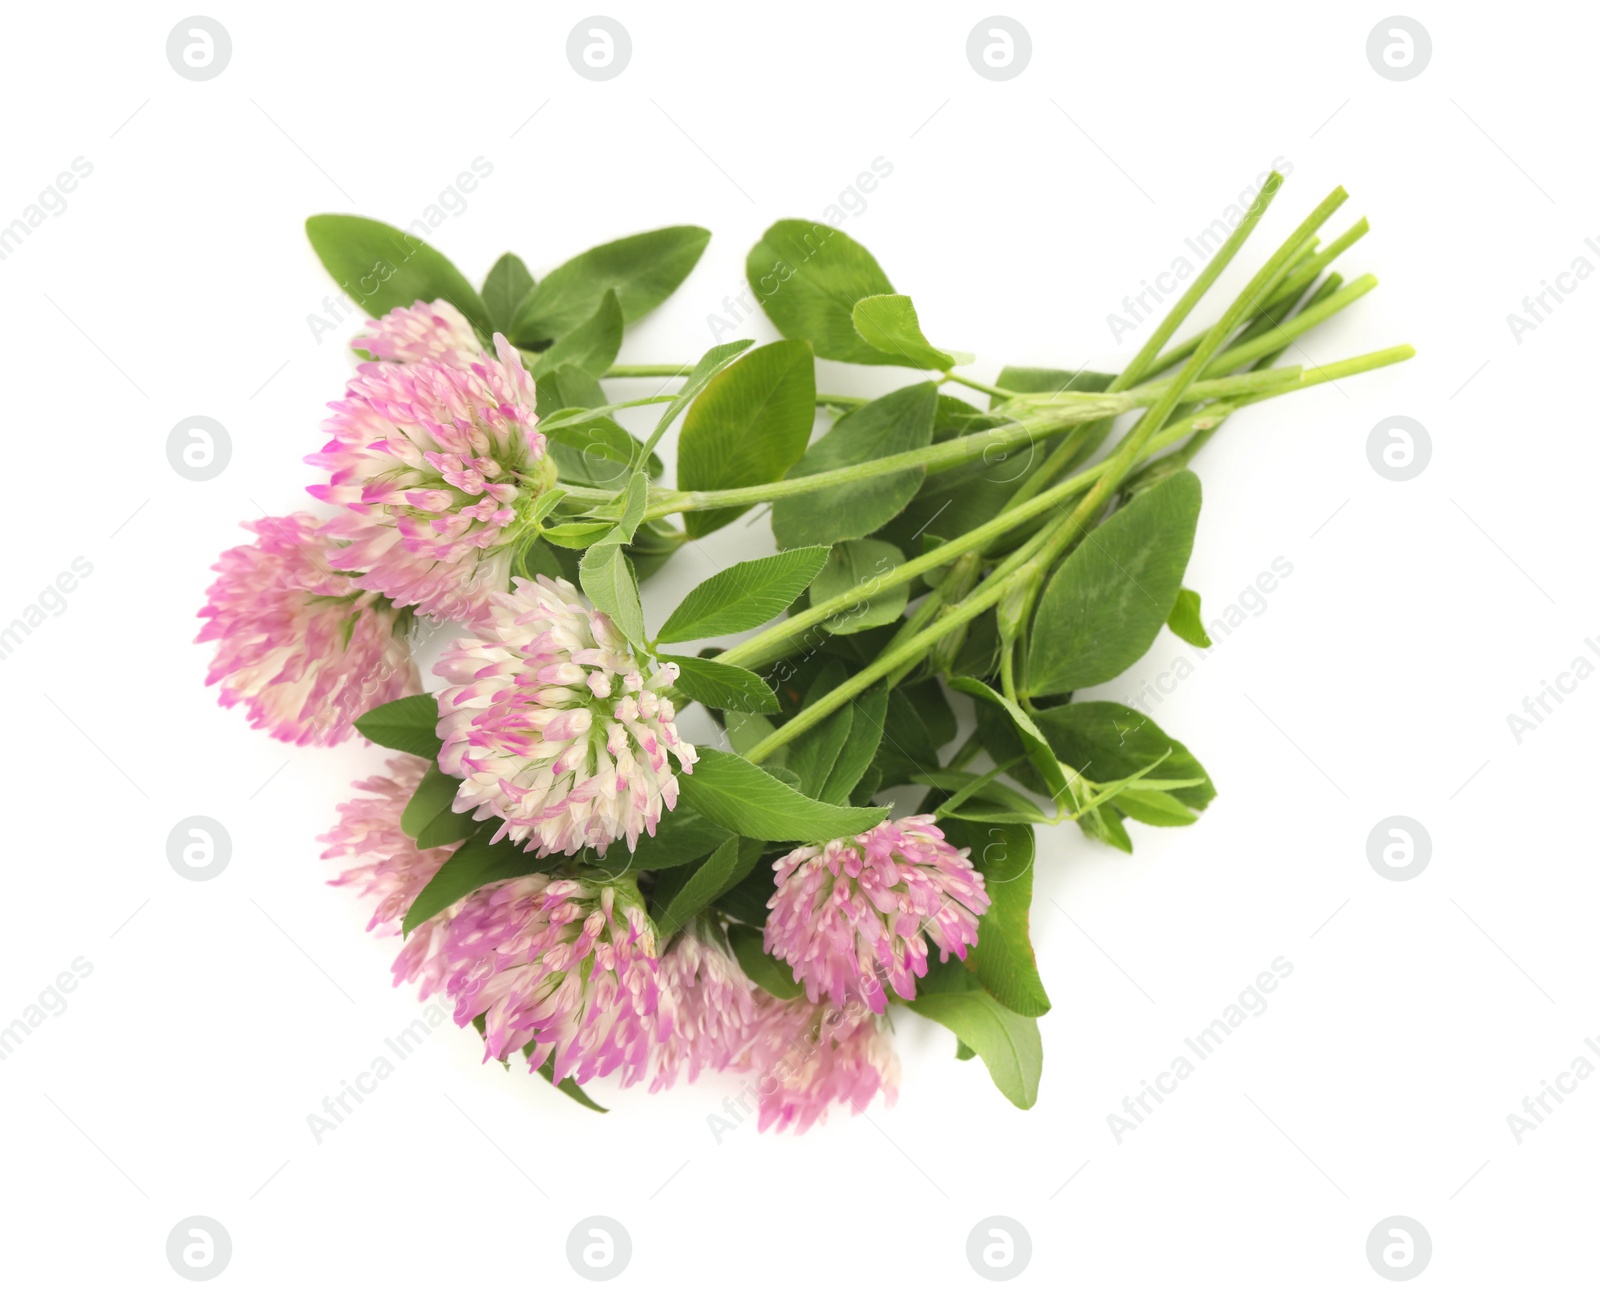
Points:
(407, 724)
(899, 422)
(1103, 606)
(381, 267)
(749, 424)
(809, 277)
(642, 270)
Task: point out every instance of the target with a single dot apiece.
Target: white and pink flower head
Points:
(811, 1057)
(391, 867)
(564, 967)
(552, 724)
(852, 914)
(424, 331)
(709, 999)
(430, 461)
(299, 643)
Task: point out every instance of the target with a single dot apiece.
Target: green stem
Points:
(950, 376)
(767, 645)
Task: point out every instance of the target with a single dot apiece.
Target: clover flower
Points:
(852, 912)
(563, 968)
(709, 999)
(810, 1057)
(431, 462)
(298, 641)
(391, 866)
(424, 331)
(554, 726)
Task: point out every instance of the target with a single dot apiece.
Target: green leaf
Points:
(381, 267)
(642, 270)
(681, 838)
(1154, 807)
(1034, 744)
(723, 686)
(850, 564)
(408, 724)
(434, 794)
(1029, 378)
(813, 755)
(598, 452)
(752, 802)
(888, 322)
(702, 888)
(705, 369)
(749, 424)
(809, 277)
(1007, 1042)
(580, 534)
(566, 1086)
(866, 734)
(1103, 607)
(428, 818)
(1109, 741)
(1184, 620)
(1004, 960)
(746, 730)
(898, 422)
(634, 501)
(743, 595)
(763, 969)
(476, 863)
(608, 582)
(591, 347)
(504, 288)
(566, 388)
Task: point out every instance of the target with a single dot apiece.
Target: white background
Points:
(1376, 682)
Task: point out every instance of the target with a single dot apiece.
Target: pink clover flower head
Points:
(852, 914)
(424, 331)
(811, 1057)
(709, 999)
(299, 642)
(431, 462)
(390, 866)
(563, 968)
(552, 724)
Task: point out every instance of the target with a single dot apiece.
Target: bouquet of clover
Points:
(587, 888)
